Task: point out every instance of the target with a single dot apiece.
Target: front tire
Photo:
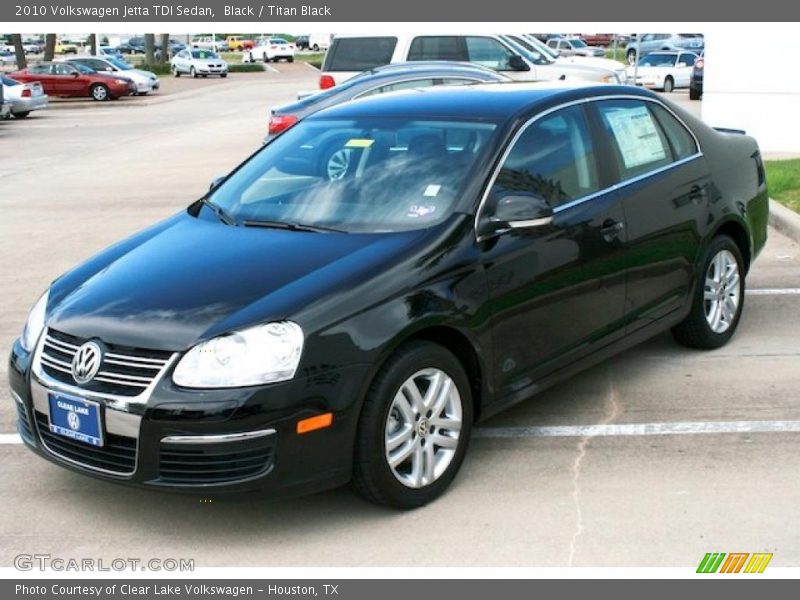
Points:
(414, 427)
(21, 115)
(175, 71)
(193, 72)
(100, 92)
(669, 85)
(718, 298)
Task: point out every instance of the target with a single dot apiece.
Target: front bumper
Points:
(232, 440)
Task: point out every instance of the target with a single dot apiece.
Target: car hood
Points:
(189, 279)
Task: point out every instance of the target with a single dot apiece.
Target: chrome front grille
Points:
(124, 371)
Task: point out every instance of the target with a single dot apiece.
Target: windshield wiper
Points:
(291, 226)
(220, 212)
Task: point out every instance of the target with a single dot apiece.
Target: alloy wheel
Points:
(423, 427)
(721, 294)
(338, 164)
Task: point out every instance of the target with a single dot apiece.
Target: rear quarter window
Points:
(359, 54)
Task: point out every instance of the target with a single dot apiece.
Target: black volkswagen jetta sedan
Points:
(349, 301)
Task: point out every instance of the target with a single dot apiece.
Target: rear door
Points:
(557, 289)
(665, 188)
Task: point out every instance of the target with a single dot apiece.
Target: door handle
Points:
(611, 229)
(698, 193)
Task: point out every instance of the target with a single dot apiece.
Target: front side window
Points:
(638, 141)
(362, 175)
(488, 52)
(552, 159)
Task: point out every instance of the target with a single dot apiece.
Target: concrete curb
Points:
(784, 220)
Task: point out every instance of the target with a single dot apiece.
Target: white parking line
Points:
(10, 438)
(678, 428)
(773, 292)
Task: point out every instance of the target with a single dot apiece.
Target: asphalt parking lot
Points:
(667, 471)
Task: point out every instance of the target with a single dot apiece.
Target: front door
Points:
(557, 290)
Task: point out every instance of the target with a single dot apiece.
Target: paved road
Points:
(81, 178)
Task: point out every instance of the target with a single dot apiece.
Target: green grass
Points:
(157, 69)
(619, 55)
(783, 180)
(245, 68)
(314, 58)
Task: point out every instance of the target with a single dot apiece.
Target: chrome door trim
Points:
(582, 199)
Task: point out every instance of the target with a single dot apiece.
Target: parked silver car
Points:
(23, 98)
(574, 47)
(650, 42)
(198, 63)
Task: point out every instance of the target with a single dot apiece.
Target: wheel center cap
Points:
(423, 427)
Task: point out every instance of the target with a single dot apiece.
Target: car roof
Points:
(490, 101)
(430, 65)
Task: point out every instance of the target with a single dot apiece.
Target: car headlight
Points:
(35, 323)
(609, 79)
(258, 355)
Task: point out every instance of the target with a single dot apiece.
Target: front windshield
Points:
(120, 64)
(364, 175)
(658, 60)
(204, 54)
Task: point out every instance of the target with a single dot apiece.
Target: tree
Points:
(149, 48)
(163, 57)
(16, 39)
(93, 43)
(49, 46)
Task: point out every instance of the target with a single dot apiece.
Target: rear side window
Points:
(687, 59)
(639, 143)
(438, 47)
(681, 141)
(553, 159)
(359, 54)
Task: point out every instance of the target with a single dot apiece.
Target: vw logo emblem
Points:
(86, 362)
(74, 421)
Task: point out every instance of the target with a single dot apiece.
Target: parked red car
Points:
(76, 80)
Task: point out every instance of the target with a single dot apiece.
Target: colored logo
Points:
(735, 562)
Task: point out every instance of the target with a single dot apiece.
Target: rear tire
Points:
(718, 298)
(22, 115)
(290, 59)
(193, 72)
(426, 433)
(175, 71)
(669, 85)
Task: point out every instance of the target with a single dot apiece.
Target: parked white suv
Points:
(352, 54)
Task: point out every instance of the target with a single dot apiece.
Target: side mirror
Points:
(215, 182)
(517, 63)
(74, 73)
(517, 211)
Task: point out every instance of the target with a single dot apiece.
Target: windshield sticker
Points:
(432, 191)
(636, 135)
(419, 210)
(359, 143)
